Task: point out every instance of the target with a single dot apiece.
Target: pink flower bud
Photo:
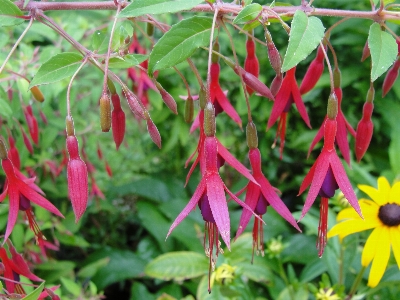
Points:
(366, 52)
(364, 131)
(167, 98)
(251, 63)
(276, 84)
(32, 124)
(134, 104)
(43, 117)
(77, 179)
(313, 73)
(117, 121)
(105, 113)
(254, 83)
(390, 78)
(153, 131)
(26, 140)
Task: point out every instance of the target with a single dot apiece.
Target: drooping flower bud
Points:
(215, 57)
(203, 97)
(105, 113)
(251, 136)
(254, 83)
(26, 140)
(365, 127)
(189, 109)
(337, 78)
(32, 124)
(153, 131)
(366, 52)
(390, 78)
(134, 104)
(251, 63)
(332, 110)
(273, 54)
(276, 84)
(37, 94)
(150, 29)
(43, 117)
(117, 120)
(314, 73)
(167, 98)
(209, 120)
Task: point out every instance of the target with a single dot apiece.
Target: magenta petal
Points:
(252, 195)
(20, 266)
(13, 195)
(218, 205)
(195, 124)
(322, 165)
(344, 183)
(231, 160)
(227, 107)
(190, 206)
(4, 193)
(281, 100)
(308, 179)
(273, 199)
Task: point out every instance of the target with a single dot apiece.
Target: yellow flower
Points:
(326, 294)
(382, 214)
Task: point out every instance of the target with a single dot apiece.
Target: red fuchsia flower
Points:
(390, 78)
(13, 268)
(21, 192)
(326, 175)
(259, 197)
(314, 72)
(77, 173)
(365, 127)
(210, 194)
(32, 124)
(342, 126)
(251, 64)
(117, 121)
(287, 95)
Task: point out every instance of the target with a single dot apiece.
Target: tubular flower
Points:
(325, 176)
(251, 63)
(287, 95)
(314, 72)
(382, 214)
(13, 268)
(258, 198)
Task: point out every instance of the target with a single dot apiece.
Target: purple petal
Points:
(329, 186)
(205, 209)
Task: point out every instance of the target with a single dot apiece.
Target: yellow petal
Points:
(395, 240)
(379, 195)
(369, 209)
(394, 196)
(370, 246)
(381, 258)
(352, 226)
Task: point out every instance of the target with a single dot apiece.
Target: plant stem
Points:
(70, 85)
(16, 44)
(356, 283)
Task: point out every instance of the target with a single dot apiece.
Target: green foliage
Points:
(9, 13)
(36, 293)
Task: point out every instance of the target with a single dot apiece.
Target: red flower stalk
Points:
(314, 72)
(326, 175)
(251, 64)
(77, 173)
(390, 78)
(342, 127)
(13, 268)
(21, 191)
(365, 127)
(117, 121)
(32, 124)
(287, 95)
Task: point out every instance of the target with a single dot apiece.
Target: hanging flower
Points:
(382, 214)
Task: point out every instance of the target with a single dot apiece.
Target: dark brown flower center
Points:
(389, 214)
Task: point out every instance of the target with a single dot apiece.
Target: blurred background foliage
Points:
(119, 249)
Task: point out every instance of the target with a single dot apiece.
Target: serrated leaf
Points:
(305, 35)
(247, 14)
(35, 294)
(383, 49)
(7, 9)
(180, 42)
(143, 7)
(127, 61)
(56, 68)
(177, 265)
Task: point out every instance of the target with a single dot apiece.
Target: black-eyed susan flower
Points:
(382, 214)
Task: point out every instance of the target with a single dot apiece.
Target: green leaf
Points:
(143, 7)
(177, 265)
(91, 269)
(35, 294)
(98, 38)
(71, 286)
(383, 49)
(180, 42)
(7, 9)
(5, 109)
(247, 14)
(127, 61)
(305, 35)
(56, 68)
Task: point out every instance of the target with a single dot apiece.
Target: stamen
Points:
(34, 226)
(322, 226)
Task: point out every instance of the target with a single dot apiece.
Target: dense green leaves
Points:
(7, 10)
(180, 42)
(383, 49)
(177, 265)
(305, 35)
(143, 7)
(56, 68)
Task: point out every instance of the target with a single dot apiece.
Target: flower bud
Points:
(365, 127)
(215, 57)
(254, 83)
(276, 84)
(105, 113)
(43, 117)
(189, 109)
(167, 98)
(70, 125)
(203, 97)
(251, 63)
(332, 106)
(251, 136)
(313, 74)
(26, 140)
(390, 78)
(366, 52)
(153, 131)
(337, 78)
(134, 104)
(118, 121)
(32, 124)
(3, 148)
(37, 94)
(209, 120)
(150, 29)
(273, 54)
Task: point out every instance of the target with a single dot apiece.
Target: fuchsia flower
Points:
(13, 268)
(287, 95)
(342, 127)
(32, 124)
(326, 175)
(251, 64)
(117, 121)
(13, 153)
(314, 72)
(21, 192)
(391, 77)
